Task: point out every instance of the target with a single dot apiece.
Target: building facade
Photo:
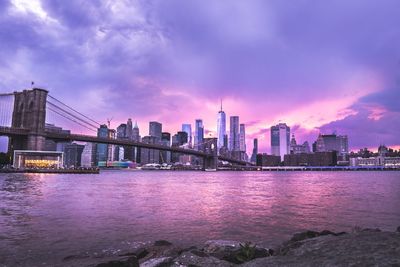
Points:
(102, 149)
(234, 143)
(149, 155)
(73, 155)
(297, 148)
(199, 134)
(267, 160)
(155, 129)
(333, 142)
(253, 158)
(221, 128)
(280, 140)
(242, 138)
(187, 128)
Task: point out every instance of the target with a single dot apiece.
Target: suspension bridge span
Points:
(23, 119)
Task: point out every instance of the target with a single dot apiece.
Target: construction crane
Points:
(109, 122)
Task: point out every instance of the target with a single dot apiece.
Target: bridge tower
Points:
(29, 113)
(210, 147)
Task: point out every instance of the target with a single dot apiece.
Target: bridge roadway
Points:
(10, 131)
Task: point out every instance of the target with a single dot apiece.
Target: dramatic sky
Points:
(319, 66)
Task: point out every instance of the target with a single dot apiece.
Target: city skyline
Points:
(267, 65)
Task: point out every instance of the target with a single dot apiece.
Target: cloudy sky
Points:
(319, 66)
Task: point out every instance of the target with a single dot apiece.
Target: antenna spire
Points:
(221, 104)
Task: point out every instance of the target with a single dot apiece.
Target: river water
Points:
(47, 217)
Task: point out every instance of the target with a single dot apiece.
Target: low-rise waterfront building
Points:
(311, 159)
(376, 161)
(268, 160)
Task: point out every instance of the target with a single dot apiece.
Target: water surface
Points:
(46, 217)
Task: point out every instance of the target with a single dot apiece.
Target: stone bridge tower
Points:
(29, 114)
(210, 147)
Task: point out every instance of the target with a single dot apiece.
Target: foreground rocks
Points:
(363, 247)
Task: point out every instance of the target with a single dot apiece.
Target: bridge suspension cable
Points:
(71, 119)
(54, 106)
(93, 121)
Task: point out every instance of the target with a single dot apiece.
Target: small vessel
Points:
(151, 166)
(210, 170)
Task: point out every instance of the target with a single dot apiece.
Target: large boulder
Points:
(200, 259)
(366, 248)
(128, 262)
(159, 249)
(157, 262)
(233, 251)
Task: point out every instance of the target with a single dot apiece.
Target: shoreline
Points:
(252, 169)
(361, 247)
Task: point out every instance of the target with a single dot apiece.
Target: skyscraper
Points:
(129, 129)
(155, 129)
(136, 133)
(333, 142)
(199, 134)
(234, 144)
(102, 149)
(297, 148)
(120, 150)
(121, 131)
(136, 137)
(89, 155)
(242, 138)
(165, 156)
(221, 128)
(187, 127)
(280, 140)
(255, 151)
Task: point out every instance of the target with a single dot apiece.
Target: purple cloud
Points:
(172, 61)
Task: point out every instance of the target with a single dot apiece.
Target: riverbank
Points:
(68, 171)
(361, 247)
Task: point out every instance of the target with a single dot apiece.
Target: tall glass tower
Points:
(221, 128)
(280, 140)
(234, 134)
(242, 138)
(199, 134)
(187, 128)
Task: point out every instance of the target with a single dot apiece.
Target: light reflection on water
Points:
(50, 216)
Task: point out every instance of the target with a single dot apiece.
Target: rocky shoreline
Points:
(361, 247)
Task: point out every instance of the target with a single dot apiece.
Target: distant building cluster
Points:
(326, 150)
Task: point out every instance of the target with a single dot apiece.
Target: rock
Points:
(231, 251)
(327, 232)
(139, 253)
(368, 248)
(75, 257)
(312, 234)
(304, 235)
(157, 262)
(398, 229)
(160, 243)
(371, 230)
(161, 250)
(189, 258)
(130, 262)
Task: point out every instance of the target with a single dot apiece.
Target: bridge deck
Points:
(10, 131)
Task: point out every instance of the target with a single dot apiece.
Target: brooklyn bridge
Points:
(24, 117)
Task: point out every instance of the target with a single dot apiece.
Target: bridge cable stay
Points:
(97, 123)
(77, 122)
(54, 106)
(6, 109)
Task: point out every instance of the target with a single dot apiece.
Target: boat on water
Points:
(210, 170)
(151, 166)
